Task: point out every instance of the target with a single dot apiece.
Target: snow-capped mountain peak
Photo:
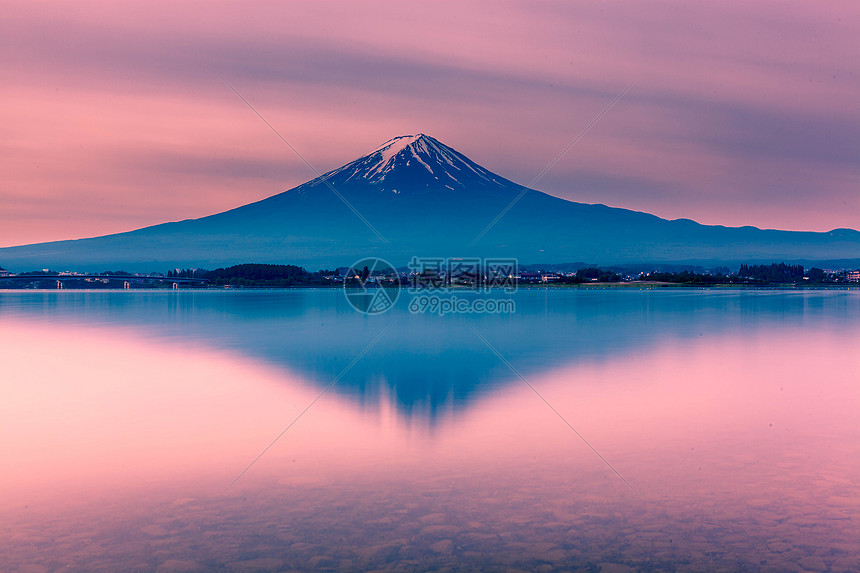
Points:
(420, 157)
(413, 145)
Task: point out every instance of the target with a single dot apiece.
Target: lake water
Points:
(591, 430)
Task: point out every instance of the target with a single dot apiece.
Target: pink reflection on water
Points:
(689, 409)
(102, 406)
(92, 408)
(741, 447)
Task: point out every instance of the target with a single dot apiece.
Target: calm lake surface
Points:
(591, 430)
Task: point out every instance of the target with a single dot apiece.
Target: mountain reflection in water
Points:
(732, 413)
(426, 364)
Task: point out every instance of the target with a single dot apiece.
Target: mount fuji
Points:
(415, 196)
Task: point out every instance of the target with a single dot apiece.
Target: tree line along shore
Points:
(254, 275)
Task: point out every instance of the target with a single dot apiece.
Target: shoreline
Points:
(635, 285)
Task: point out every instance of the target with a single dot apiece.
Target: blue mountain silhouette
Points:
(415, 196)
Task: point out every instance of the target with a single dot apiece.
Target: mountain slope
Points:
(414, 196)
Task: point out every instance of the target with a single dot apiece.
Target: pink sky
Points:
(117, 116)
